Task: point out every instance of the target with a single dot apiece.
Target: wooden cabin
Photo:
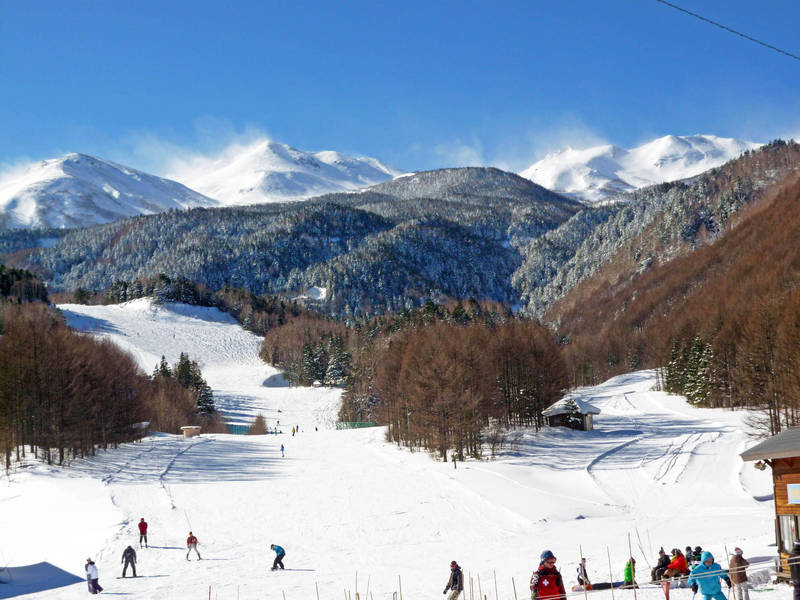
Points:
(571, 412)
(782, 453)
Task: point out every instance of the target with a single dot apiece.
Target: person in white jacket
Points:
(92, 577)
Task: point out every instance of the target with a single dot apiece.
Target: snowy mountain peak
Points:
(77, 190)
(267, 171)
(593, 174)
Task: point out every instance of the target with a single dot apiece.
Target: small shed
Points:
(190, 430)
(782, 453)
(571, 412)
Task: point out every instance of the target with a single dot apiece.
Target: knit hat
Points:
(738, 551)
(547, 555)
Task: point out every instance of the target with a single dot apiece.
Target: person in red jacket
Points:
(191, 544)
(677, 567)
(546, 582)
(142, 532)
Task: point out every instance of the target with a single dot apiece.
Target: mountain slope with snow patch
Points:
(267, 171)
(77, 190)
(594, 174)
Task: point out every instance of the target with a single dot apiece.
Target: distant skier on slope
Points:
(455, 583)
(279, 554)
(282, 454)
(142, 532)
(92, 577)
(707, 574)
(546, 581)
(191, 544)
(129, 558)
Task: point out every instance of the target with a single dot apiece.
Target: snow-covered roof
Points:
(561, 408)
(786, 444)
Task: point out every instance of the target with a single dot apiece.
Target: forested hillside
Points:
(373, 252)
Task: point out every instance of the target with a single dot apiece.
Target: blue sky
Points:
(417, 84)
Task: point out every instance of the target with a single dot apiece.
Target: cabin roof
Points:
(786, 444)
(560, 407)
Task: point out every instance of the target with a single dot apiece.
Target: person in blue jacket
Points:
(280, 553)
(707, 575)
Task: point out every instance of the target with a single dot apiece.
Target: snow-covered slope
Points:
(355, 512)
(78, 190)
(594, 174)
(267, 171)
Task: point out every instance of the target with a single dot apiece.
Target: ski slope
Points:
(347, 505)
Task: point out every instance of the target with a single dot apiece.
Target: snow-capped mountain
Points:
(594, 174)
(267, 171)
(78, 190)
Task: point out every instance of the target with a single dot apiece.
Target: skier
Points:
(794, 568)
(282, 454)
(129, 558)
(677, 566)
(292, 431)
(738, 573)
(546, 581)
(630, 573)
(583, 577)
(191, 544)
(92, 577)
(142, 532)
(455, 583)
(708, 574)
(279, 554)
(661, 565)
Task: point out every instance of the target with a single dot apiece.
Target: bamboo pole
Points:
(633, 568)
(496, 595)
(610, 573)
(480, 591)
(728, 562)
(583, 573)
(471, 593)
(316, 585)
(366, 595)
(400, 581)
(514, 585)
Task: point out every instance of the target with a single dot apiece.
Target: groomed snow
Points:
(342, 502)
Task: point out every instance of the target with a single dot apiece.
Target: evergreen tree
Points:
(162, 369)
(697, 386)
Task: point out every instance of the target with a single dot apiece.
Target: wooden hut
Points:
(571, 412)
(782, 453)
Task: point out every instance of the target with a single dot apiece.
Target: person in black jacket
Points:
(456, 582)
(794, 568)
(129, 558)
(661, 566)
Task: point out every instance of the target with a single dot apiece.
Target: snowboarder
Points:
(456, 582)
(583, 577)
(92, 577)
(279, 554)
(738, 573)
(282, 454)
(677, 566)
(142, 532)
(661, 565)
(191, 544)
(630, 573)
(129, 558)
(794, 568)
(707, 574)
(546, 581)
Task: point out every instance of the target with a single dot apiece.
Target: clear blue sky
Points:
(417, 84)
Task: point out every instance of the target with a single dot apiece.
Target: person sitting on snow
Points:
(661, 566)
(707, 574)
(630, 573)
(676, 567)
(583, 577)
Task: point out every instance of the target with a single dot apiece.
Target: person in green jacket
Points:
(630, 573)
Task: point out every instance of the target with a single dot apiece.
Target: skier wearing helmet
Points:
(546, 582)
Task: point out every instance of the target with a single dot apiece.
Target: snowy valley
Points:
(360, 515)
